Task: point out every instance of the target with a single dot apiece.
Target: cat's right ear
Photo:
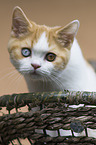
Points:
(66, 35)
(20, 23)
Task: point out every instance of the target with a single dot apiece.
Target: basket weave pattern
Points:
(54, 121)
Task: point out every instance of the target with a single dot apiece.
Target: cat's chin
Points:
(34, 76)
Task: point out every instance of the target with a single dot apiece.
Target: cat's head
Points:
(39, 50)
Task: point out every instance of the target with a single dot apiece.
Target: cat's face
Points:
(38, 50)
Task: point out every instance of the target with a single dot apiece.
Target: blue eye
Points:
(26, 52)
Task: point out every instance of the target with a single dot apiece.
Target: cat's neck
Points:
(78, 75)
(41, 85)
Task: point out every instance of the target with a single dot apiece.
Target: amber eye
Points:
(50, 57)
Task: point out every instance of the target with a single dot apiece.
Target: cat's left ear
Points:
(65, 35)
(20, 23)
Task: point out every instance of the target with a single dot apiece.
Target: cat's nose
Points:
(35, 66)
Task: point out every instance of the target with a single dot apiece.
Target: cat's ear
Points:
(20, 23)
(65, 35)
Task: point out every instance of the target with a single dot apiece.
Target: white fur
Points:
(42, 44)
(77, 76)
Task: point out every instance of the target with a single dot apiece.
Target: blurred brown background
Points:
(49, 12)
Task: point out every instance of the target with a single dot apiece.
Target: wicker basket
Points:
(51, 118)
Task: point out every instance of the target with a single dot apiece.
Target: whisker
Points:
(15, 81)
(54, 79)
(8, 74)
(47, 79)
(44, 79)
(6, 69)
(57, 81)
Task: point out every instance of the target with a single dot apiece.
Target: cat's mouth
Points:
(35, 75)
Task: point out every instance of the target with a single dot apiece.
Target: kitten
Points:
(49, 58)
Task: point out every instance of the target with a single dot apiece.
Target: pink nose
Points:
(35, 66)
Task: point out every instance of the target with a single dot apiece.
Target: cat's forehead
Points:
(42, 43)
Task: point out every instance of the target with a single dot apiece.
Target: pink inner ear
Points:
(65, 35)
(19, 27)
(19, 22)
(65, 39)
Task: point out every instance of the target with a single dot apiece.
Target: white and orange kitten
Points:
(49, 58)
